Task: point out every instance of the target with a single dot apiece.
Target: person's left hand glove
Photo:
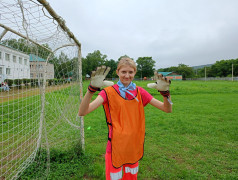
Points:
(161, 84)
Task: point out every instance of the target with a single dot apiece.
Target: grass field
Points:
(20, 125)
(198, 140)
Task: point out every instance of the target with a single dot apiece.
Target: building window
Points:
(14, 58)
(31, 75)
(0, 70)
(20, 60)
(8, 71)
(25, 61)
(0, 54)
(7, 57)
(40, 75)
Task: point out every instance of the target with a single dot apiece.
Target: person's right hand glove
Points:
(98, 76)
(161, 84)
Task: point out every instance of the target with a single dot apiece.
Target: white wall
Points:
(14, 61)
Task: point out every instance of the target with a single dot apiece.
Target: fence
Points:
(215, 78)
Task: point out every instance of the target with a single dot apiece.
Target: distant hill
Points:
(201, 66)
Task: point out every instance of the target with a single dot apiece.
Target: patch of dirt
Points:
(15, 93)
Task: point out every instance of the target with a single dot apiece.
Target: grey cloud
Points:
(172, 32)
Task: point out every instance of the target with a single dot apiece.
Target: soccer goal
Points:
(41, 85)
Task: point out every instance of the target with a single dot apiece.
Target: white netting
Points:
(40, 75)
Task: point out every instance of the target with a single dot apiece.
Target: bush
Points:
(55, 81)
(34, 82)
(18, 83)
(60, 81)
(50, 82)
(9, 82)
(26, 81)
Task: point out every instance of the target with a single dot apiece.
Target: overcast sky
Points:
(191, 32)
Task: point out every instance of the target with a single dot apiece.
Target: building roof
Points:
(165, 73)
(36, 58)
(169, 74)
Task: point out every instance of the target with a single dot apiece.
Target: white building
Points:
(13, 64)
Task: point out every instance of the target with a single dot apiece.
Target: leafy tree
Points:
(223, 68)
(28, 47)
(182, 69)
(201, 72)
(169, 69)
(63, 58)
(92, 61)
(64, 66)
(113, 65)
(185, 71)
(145, 67)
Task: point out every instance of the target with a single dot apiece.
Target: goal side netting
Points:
(41, 86)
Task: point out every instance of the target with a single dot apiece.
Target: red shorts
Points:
(129, 170)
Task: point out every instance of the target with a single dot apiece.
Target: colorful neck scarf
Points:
(123, 89)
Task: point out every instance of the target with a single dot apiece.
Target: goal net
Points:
(41, 85)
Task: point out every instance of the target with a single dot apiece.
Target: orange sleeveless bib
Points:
(127, 120)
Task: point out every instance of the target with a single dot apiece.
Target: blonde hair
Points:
(126, 61)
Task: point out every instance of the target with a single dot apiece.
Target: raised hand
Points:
(98, 76)
(161, 84)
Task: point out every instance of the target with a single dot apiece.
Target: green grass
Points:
(198, 140)
(20, 122)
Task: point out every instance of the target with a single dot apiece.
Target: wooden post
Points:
(60, 20)
(232, 71)
(81, 98)
(62, 24)
(3, 33)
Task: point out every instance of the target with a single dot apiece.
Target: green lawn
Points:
(198, 140)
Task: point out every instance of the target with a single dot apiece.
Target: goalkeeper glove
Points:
(162, 85)
(97, 79)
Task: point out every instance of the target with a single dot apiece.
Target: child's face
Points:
(126, 74)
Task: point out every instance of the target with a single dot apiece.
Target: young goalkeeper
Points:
(124, 104)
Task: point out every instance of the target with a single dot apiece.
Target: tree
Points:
(64, 67)
(201, 72)
(169, 69)
(223, 68)
(113, 65)
(92, 61)
(182, 69)
(145, 67)
(28, 47)
(185, 71)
